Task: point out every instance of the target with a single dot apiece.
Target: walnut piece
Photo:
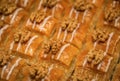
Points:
(47, 48)
(100, 35)
(1, 24)
(86, 75)
(7, 8)
(4, 58)
(49, 3)
(22, 36)
(82, 5)
(53, 47)
(38, 72)
(111, 14)
(56, 45)
(69, 24)
(38, 16)
(95, 56)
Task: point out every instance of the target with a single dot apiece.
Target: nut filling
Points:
(38, 72)
(37, 16)
(7, 8)
(111, 14)
(22, 36)
(95, 56)
(49, 3)
(69, 24)
(100, 35)
(53, 47)
(82, 5)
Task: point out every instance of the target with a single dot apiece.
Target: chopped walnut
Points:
(53, 47)
(100, 35)
(111, 14)
(95, 56)
(86, 75)
(7, 8)
(49, 3)
(56, 45)
(47, 48)
(82, 5)
(69, 24)
(37, 16)
(38, 72)
(4, 58)
(22, 36)
(1, 24)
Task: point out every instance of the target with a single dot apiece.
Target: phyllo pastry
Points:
(24, 41)
(100, 55)
(59, 51)
(41, 22)
(11, 13)
(111, 14)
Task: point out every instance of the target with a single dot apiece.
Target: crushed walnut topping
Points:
(1, 24)
(100, 35)
(86, 75)
(38, 16)
(56, 45)
(7, 8)
(49, 3)
(95, 56)
(111, 14)
(38, 71)
(53, 47)
(82, 5)
(22, 36)
(69, 24)
(4, 58)
(47, 48)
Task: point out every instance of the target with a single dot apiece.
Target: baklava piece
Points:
(40, 22)
(111, 14)
(24, 41)
(58, 50)
(68, 31)
(11, 14)
(9, 66)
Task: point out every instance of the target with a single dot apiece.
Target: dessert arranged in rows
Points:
(13, 68)
(78, 18)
